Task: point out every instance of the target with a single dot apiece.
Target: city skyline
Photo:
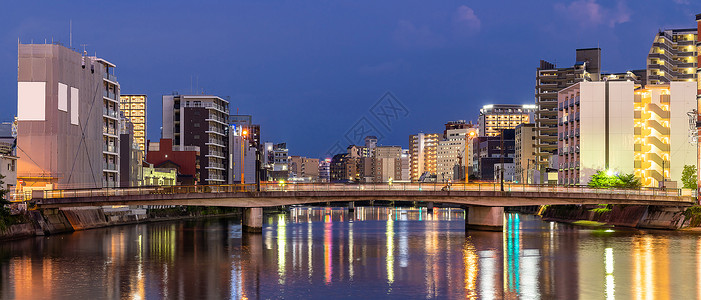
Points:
(266, 67)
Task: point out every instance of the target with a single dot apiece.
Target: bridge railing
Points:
(315, 187)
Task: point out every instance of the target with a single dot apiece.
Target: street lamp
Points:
(244, 132)
(468, 138)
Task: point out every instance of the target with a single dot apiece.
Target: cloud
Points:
(589, 13)
(466, 21)
(409, 35)
(685, 2)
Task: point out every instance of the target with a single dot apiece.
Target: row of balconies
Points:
(208, 105)
(213, 129)
(568, 150)
(215, 177)
(569, 134)
(109, 95)
(109, 166)
(568, 118)
(569, 102)
(110, 113)
(568, 165)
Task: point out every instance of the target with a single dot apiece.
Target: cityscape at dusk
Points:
(461, 149)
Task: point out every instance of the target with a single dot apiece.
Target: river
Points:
(374, 252)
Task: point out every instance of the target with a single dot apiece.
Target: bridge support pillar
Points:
(484, 218)
(429, 206)
(253, 219)
(351, 206)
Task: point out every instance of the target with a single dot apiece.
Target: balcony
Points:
(110, 113)
(109, 166)
(214, 118)
(218, 154)
(110, 77)
(109, 130)
(208, 105)
(215, 130)
(109, 148)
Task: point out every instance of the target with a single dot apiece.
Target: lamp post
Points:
(243, 140)
(501, 148)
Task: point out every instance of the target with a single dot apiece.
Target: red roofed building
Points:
(183, 158)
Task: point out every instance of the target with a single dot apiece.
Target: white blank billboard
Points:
(74, 106)
(31, 101)
(62, 97)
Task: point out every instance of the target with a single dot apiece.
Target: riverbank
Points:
(634, 216)
(55, 221)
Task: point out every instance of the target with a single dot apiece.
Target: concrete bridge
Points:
(484, 202)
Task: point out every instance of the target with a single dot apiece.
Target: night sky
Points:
(314, 73)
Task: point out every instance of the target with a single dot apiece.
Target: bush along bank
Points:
(53, 221)
(636, 216)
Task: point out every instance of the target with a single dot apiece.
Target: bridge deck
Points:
(276, 195)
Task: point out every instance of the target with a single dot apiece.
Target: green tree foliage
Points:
(689, 178)
(602, 180)
(3, 210)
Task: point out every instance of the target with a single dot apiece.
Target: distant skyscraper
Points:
(63, 139)
(199, 120)
(133, 106)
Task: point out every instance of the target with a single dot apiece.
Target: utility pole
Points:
(501, 170)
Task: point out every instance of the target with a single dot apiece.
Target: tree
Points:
(603, 179)
(689, 178)
(3, 202)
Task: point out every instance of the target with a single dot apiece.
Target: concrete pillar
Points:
(351, 206)
(429, 206)
(253, 219)
(485, 218)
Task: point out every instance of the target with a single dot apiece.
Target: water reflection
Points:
(369, 253)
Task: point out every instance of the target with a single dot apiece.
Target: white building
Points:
(451, 153)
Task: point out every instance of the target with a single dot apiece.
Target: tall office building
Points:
(497, 117)
(133, 106)
(613, 126)
(423, 150)
(63, 139)
(387, 164)
(672, 56)
(199, 120)
(549, 81)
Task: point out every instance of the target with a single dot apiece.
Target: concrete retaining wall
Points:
(638, 216)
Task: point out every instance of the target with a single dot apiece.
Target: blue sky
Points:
(309, 71)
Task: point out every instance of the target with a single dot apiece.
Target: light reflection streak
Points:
(389, 232)
(310, 242)
(488, 274)
(281, 247)
(512, 249)
(470, 261)
(328, 247)
(610, 284)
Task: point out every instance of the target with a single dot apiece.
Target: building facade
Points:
(130, 156)
(304, 169)
(494, 118)
(387, 164)
(549, 81)
(524, 156)
(242, 156)
(201, 121)
(185, 159)
(133, 106)
(423, 148)
(451, 154)
(672, 56)
(57, 90)
(642, 131)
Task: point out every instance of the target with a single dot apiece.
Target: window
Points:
(197, 125)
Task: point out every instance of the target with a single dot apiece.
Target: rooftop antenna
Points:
(84, 51)
(70, 33)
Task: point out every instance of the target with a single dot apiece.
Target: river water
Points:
(323, 253)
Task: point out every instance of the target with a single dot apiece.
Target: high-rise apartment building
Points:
(241, 160)
(423, 149)
(549, 81)
(494, 118)
(63, 139)
(133, 106)
(672, 56)
(200, 120)
(611, 126)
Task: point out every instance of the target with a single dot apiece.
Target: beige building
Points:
(303, 168)
(672, 56)
(525, 169)
(614, 127)
(423, 154)
(134, 108)
(451, 154)
(63, 140)
(387, 164)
